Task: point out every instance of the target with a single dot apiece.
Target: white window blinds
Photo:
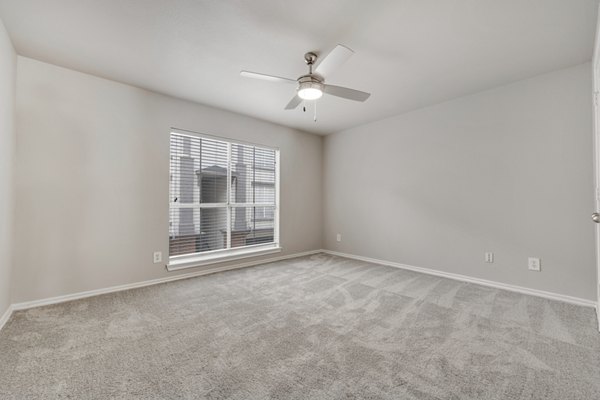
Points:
(222, 195)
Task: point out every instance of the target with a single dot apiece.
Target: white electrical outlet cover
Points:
(534, 264)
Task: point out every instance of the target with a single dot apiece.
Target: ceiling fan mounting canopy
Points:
(310, 58)
(312, 86)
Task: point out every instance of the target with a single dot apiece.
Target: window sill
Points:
(207, 259)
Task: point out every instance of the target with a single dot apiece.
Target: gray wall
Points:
(508, 170)
(92, 179)
(7, 150)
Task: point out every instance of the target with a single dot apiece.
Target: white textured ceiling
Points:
(409, 53)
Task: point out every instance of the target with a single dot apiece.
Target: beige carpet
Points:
(318, 327)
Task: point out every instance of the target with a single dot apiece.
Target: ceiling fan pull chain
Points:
(315, 117)
(304, 105)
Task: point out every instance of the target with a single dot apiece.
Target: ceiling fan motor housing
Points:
(310, 87)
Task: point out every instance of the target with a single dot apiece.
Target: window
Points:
(223, 200)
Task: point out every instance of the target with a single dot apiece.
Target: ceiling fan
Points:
(312, 85)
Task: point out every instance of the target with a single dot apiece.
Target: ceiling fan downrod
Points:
(309, 59)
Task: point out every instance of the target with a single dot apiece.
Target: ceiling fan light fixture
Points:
(310, 90)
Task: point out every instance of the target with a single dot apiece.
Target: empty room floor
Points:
(317, 327)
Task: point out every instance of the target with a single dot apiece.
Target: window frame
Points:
(229, 253)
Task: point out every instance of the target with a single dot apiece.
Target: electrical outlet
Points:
(489, 257)
(338, 237)
(534, 264)
(157, 257)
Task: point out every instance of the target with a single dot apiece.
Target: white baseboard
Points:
(464, 278)
(206, 271)
(4, 319)
(112, 289)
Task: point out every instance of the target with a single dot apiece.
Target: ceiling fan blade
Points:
(265, 77)
(346, 93)
(293, 103)
(332, 61)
